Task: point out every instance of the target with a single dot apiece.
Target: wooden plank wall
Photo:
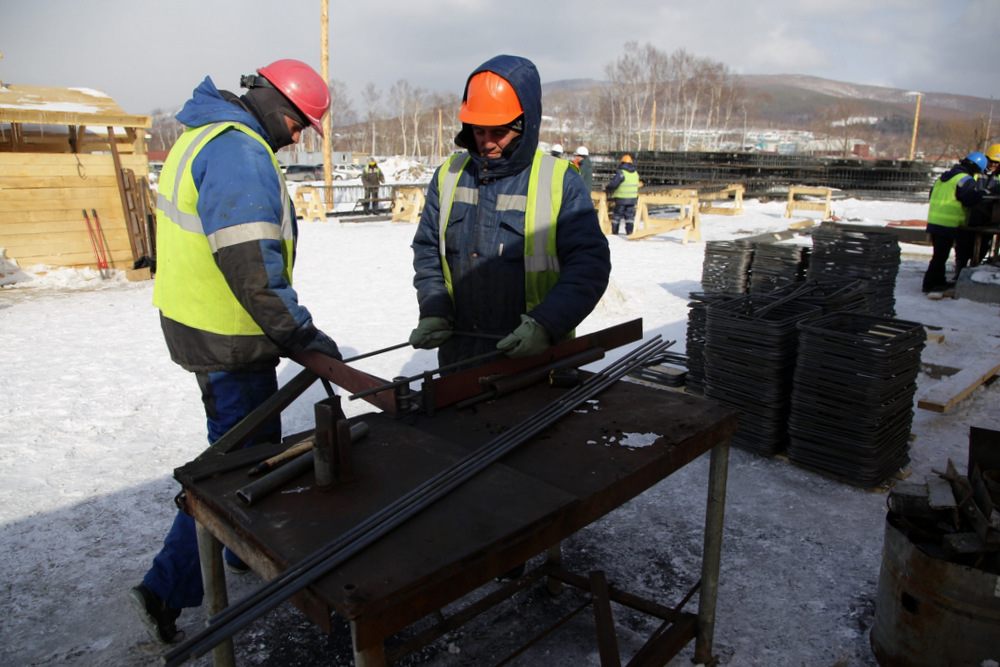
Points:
(42, 197)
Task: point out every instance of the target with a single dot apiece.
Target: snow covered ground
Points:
(94, 417)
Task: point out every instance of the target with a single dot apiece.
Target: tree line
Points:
(649, 100)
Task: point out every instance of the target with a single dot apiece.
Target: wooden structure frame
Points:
(735, 191)
(689, 219)
(311, 207)
(63, 151)
(408, 204)
(799, 205)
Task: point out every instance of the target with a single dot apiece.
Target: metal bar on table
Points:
(402, 382)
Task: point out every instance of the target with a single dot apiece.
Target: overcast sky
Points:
(150, 55)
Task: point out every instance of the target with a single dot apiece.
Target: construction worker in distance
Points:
(585, 166)
(981, 215)
(371, 178)
(955, 193)
(556, 150)
(508, 243)
(623, 189)
(225, 243)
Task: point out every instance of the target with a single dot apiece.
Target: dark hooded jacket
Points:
(238, 185)
(485, 247)
(618, 179)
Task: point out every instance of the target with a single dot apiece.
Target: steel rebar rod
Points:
(283, 586)
(402, 382)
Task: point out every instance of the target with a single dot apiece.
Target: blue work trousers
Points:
(228, 397)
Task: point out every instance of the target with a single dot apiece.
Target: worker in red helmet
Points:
(225, 244)
(508, 243)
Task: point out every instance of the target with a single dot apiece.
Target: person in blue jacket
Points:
(953, 196)
(226, 235)
(624, 190)
(508, 243)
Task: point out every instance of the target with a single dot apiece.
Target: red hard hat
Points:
(302, 86)
(490, 101)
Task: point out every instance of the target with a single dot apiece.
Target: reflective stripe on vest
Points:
(629, 188)
(945, 209)
(189, 286)
(541, 210)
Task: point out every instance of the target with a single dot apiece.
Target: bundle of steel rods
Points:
(225, 624)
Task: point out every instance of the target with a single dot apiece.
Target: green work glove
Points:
(430, 333)
(529, 339)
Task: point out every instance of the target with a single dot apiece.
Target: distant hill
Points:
(782, 94)
(798, 99)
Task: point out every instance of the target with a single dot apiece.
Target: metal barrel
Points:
(932, 612)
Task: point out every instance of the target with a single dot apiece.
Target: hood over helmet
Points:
(523, 77)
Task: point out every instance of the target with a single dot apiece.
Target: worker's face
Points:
(991, 166)
(490, 141)
(294, 129)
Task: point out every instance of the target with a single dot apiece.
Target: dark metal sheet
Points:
(560, 481)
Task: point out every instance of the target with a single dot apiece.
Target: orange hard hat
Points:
(489, 101)
(302, 86)
(627, 158)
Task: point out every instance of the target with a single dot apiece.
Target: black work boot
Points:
(155, 614)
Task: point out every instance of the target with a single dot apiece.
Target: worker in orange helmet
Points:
(623, 189)
(508, 243)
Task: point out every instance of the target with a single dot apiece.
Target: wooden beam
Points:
(944, 395)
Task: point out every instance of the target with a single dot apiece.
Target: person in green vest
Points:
(225, 239)
(508, 245)
(623, 189)
(953, 195)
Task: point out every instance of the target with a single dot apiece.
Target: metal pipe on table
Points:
(300, 465)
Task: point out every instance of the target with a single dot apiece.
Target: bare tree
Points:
(371, 97)
(416, 104)
(400, 95)
(164, 129)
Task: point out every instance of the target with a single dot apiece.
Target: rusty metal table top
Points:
(570, 475)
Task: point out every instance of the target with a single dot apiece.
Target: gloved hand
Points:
(430, 333)
(324, 345)
(529, 339)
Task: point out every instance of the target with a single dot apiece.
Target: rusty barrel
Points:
(933, 612)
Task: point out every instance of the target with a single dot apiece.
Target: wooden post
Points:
(324, 59)
(129, 222)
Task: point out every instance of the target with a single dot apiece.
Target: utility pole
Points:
(989, 123)
(324, 59)
(916, 120)
(652, 129)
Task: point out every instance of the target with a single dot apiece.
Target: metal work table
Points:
(551, 486)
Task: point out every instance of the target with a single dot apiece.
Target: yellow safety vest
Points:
(189, 287)
(629, 188)
(945, 209)
(541, 211)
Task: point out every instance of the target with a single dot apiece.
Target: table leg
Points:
(714, 515)
(216, 598)
(366, 657)
(553, 555)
